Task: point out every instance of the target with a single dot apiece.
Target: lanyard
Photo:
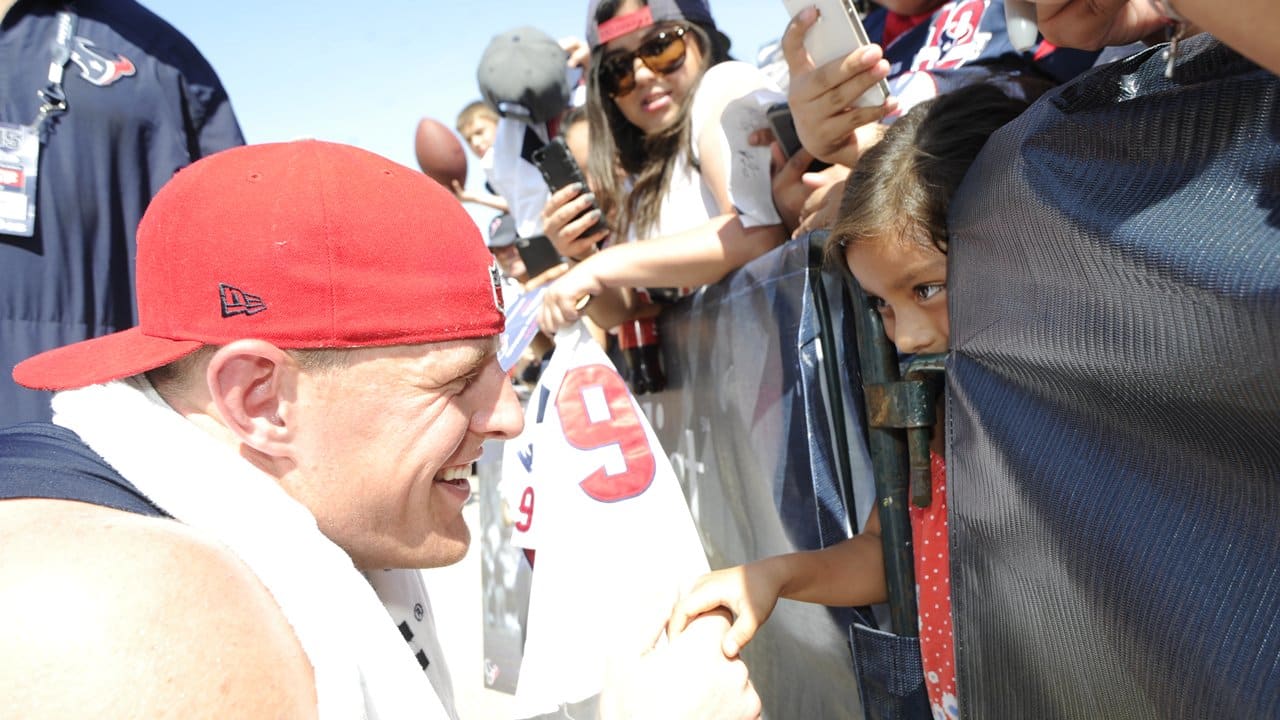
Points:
(53, 100)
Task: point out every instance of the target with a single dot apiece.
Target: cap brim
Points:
(100, 360)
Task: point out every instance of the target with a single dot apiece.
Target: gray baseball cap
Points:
(502, 231)
(523, 74)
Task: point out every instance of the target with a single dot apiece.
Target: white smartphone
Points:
(1020, 24)
(837, 33)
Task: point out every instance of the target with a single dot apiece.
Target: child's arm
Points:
(497, 202)
(850, 573)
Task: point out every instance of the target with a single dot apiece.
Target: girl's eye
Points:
(925, 292)
(876, 302)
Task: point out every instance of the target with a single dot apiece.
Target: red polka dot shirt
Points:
(933, 593)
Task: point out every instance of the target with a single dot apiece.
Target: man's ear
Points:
(253, 384)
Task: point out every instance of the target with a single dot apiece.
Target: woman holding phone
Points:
(670, 162)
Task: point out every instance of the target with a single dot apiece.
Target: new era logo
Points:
(238, 302)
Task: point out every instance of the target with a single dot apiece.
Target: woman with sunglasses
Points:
(670, 163)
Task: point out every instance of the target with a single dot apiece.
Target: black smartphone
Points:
(538, 254)
(784, 130)
(559, 169)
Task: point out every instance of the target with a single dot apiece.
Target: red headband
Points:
(619, 25)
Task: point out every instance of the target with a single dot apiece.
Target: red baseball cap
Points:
(305, 244)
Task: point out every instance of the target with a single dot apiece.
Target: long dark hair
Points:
(617, 144)
(902, 186)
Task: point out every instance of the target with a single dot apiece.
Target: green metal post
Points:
(879, 364)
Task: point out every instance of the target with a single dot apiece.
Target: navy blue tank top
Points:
(41, 460)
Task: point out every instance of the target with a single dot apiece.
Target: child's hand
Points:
(749, 591)
(461, 193)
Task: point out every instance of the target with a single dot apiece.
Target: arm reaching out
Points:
(699, 256)
(848, 573)
(749, 591)
(466, 196)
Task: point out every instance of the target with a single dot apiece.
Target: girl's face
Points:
(906, 280)
(657, 97)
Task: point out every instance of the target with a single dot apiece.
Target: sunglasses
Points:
(662, 53)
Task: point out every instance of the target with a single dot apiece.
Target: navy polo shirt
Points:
(142, 104)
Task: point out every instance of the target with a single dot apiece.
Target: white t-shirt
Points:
(516, 179)
(730, 103)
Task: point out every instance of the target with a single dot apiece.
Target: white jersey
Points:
(613, 535)
(729, 105)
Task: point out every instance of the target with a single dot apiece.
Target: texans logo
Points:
(955, 37)
(495, 278)
(98, 69)
(958, 25)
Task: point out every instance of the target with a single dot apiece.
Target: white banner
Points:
(595, 495)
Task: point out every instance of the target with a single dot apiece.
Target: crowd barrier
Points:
(757, 419)
(1113, 408)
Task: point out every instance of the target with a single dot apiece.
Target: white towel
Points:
(363, 666)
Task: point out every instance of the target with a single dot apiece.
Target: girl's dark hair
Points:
(619, 149)
(903, 185)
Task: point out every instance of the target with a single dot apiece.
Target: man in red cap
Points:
(226, 516)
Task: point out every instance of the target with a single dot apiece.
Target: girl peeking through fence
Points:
(892, 235)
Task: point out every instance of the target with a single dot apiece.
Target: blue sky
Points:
(365, 73)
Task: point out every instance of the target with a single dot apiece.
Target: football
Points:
(440, 152)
